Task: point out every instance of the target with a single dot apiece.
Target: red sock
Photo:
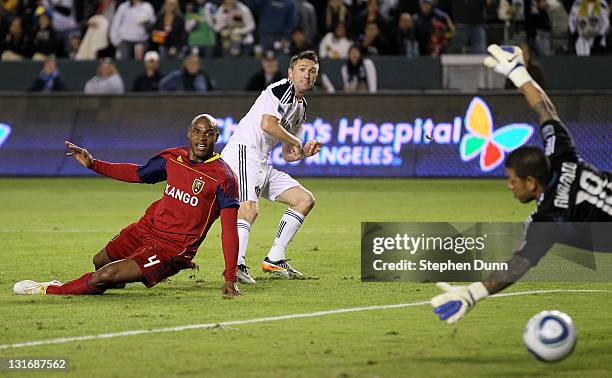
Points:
(80, 286)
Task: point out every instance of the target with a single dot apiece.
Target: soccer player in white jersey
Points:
(276, 116)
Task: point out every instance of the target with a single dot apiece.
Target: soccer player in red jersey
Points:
(200, 187)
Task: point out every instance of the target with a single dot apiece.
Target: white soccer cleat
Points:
(243, 275)
(29, 287)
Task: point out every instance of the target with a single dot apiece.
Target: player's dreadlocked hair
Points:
(307, 54)
(529, 161)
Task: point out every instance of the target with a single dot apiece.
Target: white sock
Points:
(288, 226)
(244, 229)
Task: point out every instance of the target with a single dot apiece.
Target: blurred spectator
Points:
(107, 79)
(560, 35)
(370, 15)
(49, 79)
(509, 10)
(105, 8)
(373, 42)
(148, 81)
(299, 42)
(190, 78)
(433, 29)
(95, 40)
(44, 37)
(534, 68)
(277, 19)
(16, 44)
(200, 24)
(236, 25)
(62, 15)
(404, 40)
(358, 73)
(469, 19)
(128, 31)
(268, 74)
(28, 10)
(512, 14)
(335, 45)
(74, 43)
(589, 23)
(169, 31)
(307, 21)
(63, 20)
(336, 13)
(538, 26)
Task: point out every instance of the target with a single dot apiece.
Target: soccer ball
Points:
(550, 336)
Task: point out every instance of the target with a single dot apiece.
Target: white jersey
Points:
(277, 100)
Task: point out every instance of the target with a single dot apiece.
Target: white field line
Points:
(63, 340)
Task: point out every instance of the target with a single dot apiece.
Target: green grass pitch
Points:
(51, 228)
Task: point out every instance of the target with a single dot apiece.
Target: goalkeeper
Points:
(565, 189)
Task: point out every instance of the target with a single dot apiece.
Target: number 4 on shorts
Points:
(152, 261)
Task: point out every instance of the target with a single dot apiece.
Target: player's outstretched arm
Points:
(501, 279)
(539, 101)
(509, 61)
(153, 171)
(271, 125)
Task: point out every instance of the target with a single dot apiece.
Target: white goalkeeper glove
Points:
(508, 61)
(456, 301)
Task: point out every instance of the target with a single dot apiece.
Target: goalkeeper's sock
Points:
(244, 229)
(288, 226)
(80, 286)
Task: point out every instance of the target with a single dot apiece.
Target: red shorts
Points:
(156, 261)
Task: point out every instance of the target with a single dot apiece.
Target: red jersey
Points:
(193, 197)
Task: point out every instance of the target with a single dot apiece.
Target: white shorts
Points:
(256, 178)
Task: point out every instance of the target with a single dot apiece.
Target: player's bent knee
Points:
(249, 210)
(100, 259)
(311, 201)
(95, 262)
(306, 202)
(104, 277)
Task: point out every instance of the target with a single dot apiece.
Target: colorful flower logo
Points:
(5, 131)
(490, 144)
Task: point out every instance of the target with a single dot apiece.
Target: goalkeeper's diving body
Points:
(200, 187)
(573, 198)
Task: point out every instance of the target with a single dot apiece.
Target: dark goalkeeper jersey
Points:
(192, 200)
(577, 196)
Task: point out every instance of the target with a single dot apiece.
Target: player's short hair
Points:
(213, 122)
(529, 161)
(307, 54)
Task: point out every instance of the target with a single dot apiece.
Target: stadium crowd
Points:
(174, 28)
(352, 30)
